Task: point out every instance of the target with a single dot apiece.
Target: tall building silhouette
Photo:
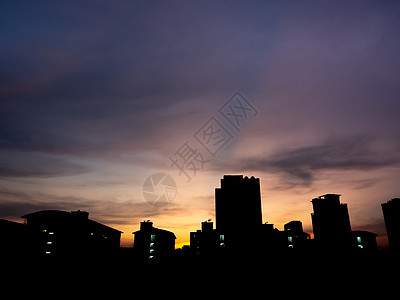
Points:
(391, 214)
(238, 204)
(331, 222)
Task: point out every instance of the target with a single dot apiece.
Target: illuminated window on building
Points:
(290, 239)
(152, 237)
(222, 240)
(359, 239)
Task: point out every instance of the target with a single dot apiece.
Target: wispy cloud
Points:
(20, 164)
(298, 166)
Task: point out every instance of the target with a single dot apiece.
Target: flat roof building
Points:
(331, 222)
(238, 203)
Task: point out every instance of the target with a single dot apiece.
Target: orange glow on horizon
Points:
(181, 244)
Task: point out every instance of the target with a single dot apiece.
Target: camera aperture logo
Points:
(159, 189)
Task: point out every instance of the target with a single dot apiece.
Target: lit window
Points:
(221, 237)
(359, 239)
(49, 243)
(91, 233)
(51, 232)
(152, 237)
(48, 252)
(44, 230)
(290, 239)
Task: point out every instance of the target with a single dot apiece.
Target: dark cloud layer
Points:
(19, 164)
(340, 154)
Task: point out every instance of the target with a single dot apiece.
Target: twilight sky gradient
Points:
(96, 95)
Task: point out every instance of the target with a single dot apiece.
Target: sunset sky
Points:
(98, 95)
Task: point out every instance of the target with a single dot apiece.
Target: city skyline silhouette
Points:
(200, 142)
(54, 244)
(54, 233)
(96, 98)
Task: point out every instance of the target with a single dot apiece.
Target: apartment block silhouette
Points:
(153, 245)
(68, 234)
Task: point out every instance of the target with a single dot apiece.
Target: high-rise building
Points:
(331, 222)
(391, 214)
(238, 204)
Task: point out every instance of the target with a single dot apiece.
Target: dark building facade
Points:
(364, 241)
(206, 242)
(331, 222)
(238, 211)
(391, 214)
(68, 234)
(12, 238)
(239, 222)
(153, 245)
(296, 237)
(238, 204)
